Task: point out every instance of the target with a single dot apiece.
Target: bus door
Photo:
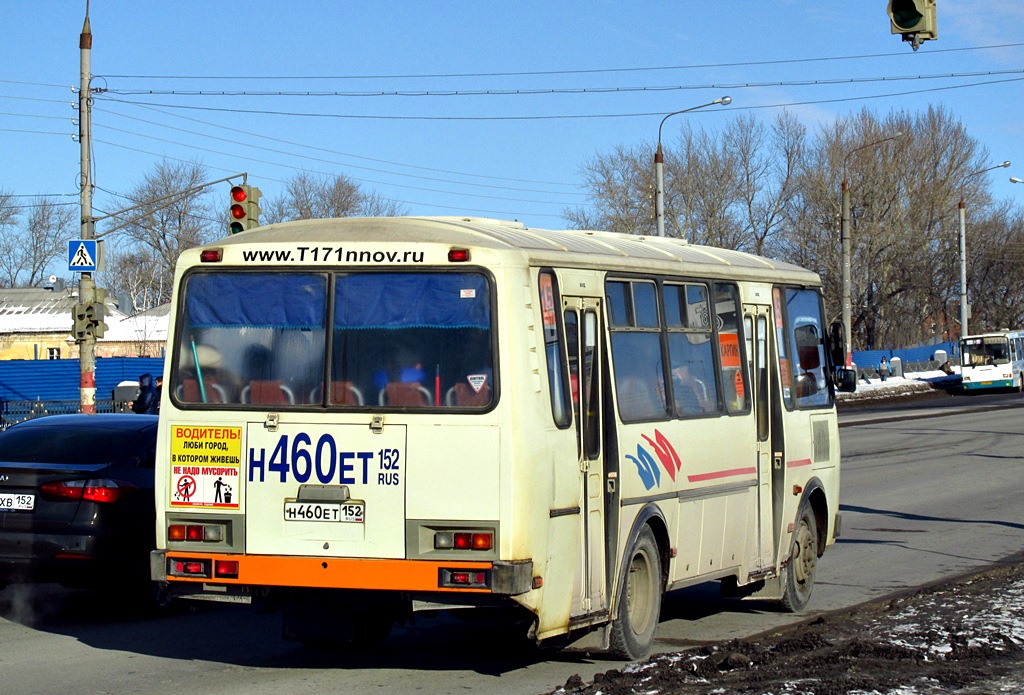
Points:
(757, 326)
(581, 317)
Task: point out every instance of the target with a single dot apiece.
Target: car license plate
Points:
(16, 503)
(351, 512)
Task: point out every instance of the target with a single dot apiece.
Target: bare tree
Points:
(621, 191)
(774, 192)
(135, 275)
(26, 252)
(310, 196)
(173, 217)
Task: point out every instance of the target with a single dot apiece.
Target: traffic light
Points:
(914, 19)
(87, 319)
(99, 327)
(245, 208)
(81, 324)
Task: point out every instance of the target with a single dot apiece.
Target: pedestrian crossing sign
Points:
(83, 255)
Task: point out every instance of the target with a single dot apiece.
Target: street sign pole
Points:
(86, 287)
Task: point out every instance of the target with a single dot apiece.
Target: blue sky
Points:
(600, 73)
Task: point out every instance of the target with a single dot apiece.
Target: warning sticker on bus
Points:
(205, 466)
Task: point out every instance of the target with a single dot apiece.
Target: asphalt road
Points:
(929, 491)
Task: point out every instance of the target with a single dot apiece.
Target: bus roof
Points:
(564, 248)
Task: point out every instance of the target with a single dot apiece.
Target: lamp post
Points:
(659, 164)
(844, 234)
(965, 309)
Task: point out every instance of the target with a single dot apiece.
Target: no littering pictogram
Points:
(185, 488)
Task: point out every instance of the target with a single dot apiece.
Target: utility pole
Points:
(86, 287)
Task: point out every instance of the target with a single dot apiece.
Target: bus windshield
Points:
(320, 339)
(976, 352)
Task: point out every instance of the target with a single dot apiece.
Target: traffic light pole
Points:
(86, 287)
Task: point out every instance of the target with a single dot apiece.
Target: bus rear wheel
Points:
(639, 604)
(798, 579)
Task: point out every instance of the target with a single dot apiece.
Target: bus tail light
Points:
(227, 569)
(458, 255)
(463, 540)
(211, 255)
(209, 533)
(181, 567)
(464, 579)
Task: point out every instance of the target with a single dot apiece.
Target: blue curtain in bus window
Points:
(261, 300)
(408, 300)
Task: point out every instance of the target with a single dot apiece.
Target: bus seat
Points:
(404, 393)
(268, 393)
(463, 395)
(342, 393)
(188, 392)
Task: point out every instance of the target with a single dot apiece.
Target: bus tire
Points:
(639, 604)
(798, 575)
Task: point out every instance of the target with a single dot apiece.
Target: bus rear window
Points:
(381, 340)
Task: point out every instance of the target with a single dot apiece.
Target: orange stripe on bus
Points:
(797, 464)
(721, 474)
(332, 573)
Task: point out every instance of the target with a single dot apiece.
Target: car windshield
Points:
(86, 446)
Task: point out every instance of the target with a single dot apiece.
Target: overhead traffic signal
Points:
(914, 19)
(245, 208)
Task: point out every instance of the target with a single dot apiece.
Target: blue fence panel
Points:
(922, 353)
(30, 380)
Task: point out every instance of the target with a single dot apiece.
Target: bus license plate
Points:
(16, 503)
(350, 512)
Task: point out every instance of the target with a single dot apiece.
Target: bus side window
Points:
(636, 349)
(734, 373)
(558, 373)
(806, 346)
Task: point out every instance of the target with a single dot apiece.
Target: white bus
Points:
(992, 361)
(364, 418)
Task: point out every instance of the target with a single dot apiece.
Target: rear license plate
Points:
(16, 503)
(351, 512)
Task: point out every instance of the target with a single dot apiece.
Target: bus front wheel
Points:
(798, 579)
(639, 604)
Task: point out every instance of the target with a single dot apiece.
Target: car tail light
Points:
(95, 490)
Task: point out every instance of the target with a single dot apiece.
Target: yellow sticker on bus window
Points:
(205, 466)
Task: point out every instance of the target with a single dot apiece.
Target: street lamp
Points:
(659, 164)
(844, 233)
(965, 309)
(1014, 179)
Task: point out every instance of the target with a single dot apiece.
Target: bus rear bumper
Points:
(218, 573)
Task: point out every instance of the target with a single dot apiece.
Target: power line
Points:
(342, 154)
(383, 183)
(300, 114)
(561, 90)
(585, 71)
(316, 159)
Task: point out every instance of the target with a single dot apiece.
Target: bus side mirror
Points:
(837, 344)
(846, 379)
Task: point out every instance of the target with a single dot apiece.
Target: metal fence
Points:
(13, 412)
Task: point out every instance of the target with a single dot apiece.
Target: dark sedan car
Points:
(76, 499)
